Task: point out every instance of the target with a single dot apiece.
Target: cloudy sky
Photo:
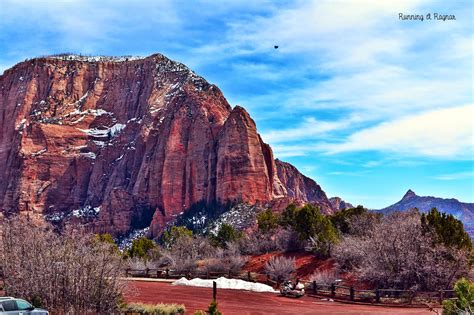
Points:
(366, 104)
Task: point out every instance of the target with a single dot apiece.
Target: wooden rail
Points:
(377, 295)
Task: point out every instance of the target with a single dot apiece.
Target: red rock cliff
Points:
(121, 142)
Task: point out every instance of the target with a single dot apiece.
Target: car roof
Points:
(6, 298)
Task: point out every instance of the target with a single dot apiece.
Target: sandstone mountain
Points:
(124, 143)
(462, 211)
(338, 204)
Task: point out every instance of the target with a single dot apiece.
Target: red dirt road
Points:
(244, 302)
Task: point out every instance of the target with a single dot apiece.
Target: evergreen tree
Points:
(447, 229)
(267, 220)
(226, 234)
(464, 303)
(141, 248)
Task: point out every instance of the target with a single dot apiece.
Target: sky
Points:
(365, 103)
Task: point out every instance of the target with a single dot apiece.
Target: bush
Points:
(153, 309)
(229, 261)
(326, 277)
(46, 267)
(211, 310)
(171, 235)
(226, 234)
(280, 268)
(267, 221)
(141, 248)
(464, 303)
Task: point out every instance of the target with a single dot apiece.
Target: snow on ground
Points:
(224, 283)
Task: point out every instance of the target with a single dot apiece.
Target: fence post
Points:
(147, 271)
(333, 289)
(441, 296)
(167, 272)
(214, 290)
(126, 272)
(248, 276)
(351, 293)
(315, 287)
(268, 278)
(377, 295)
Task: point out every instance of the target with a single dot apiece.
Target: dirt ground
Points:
(244, 302)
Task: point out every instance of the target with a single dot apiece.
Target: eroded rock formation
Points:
(123, 143)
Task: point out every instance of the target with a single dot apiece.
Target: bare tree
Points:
(67, 273)
(396, 253)
(280, 268)
(326, 277)
(227, 260)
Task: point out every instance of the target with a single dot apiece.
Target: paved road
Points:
(244, 302)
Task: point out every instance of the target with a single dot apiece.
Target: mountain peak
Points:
(410, 193)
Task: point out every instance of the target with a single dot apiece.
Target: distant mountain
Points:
(462, 211)
(338, 204)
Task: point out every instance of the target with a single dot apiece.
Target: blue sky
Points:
(364, 103)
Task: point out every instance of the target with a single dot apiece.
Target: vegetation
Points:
(211, 310)
(447, 229)
(267, 221)
(341, 219)
(226, 234)
(395, 252)
(153, 309)
(142, 248)
(326, 277)
(171, 235)
(464, 303)
(68, 273)
(280, 268)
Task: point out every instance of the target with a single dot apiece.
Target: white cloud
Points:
(444, 133)
(456, 176)
(310, 128)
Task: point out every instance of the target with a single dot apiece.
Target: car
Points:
(12, 306)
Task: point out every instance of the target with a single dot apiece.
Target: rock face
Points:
(462, 211)
(122, 143)
(338, 204)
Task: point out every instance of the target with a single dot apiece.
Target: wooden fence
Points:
(393, 296)
(349, 293)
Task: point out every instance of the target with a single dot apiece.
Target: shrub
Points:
(171, 235)
(326, 277)
(153, 309)
(141, 248)
(225, 234)
(267, 221)
(464, 303)
(280, 268)
(67, 273)
(229, 260)
(341, 219)
(211, 310)
(183, 256)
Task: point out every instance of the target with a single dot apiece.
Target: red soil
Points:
(245, 302)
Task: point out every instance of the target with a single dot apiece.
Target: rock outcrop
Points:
(122, 143)
(338, 204)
